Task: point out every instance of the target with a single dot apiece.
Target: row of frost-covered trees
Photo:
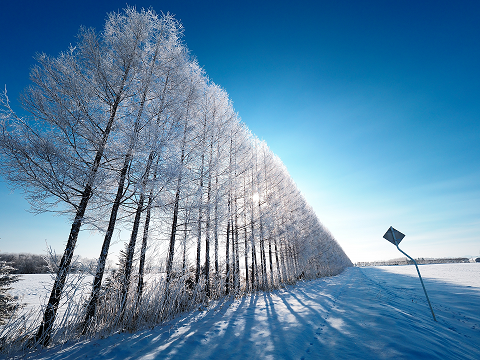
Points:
(126, 131)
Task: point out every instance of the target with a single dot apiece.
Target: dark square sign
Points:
(389, 235)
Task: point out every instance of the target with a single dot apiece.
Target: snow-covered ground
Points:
(364, 313)
(33, 291)
(459, 274)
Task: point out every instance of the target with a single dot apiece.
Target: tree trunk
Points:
(280, 280)
(254, 251)
(217, 275)
(263, 259)
(227, 257)
(207, 225)
(199, 232)
(237, 257)
(184, 262)
(143, 251)
(171, 249)
(133, 237)
(216, 225)
(245, 234)
(271, 260)
(45, 330)
(97, 282)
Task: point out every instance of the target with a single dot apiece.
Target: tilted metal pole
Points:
(418, 271)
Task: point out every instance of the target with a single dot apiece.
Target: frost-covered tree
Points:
(126, 130)
(146, 43)
(8, 304)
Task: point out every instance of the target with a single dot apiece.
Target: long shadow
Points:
(185, 346)
(389, 316)
(277, 329)
(160, 342)
(361, 314)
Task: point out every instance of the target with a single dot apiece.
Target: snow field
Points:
(33, 290)
(363, 313)
(461, 274)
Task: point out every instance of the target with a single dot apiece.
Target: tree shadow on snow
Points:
(363, 313)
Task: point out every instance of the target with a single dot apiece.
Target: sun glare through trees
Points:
(125, 129)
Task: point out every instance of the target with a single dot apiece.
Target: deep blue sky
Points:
(373, 106)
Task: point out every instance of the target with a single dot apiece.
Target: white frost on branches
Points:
(125, 129)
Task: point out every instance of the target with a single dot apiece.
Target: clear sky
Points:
(373, 106)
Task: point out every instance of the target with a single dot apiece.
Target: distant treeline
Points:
(26, 263)
(37, 264)
(406, 261)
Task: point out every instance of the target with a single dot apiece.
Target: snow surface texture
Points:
(363, 313)
(33, 291)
